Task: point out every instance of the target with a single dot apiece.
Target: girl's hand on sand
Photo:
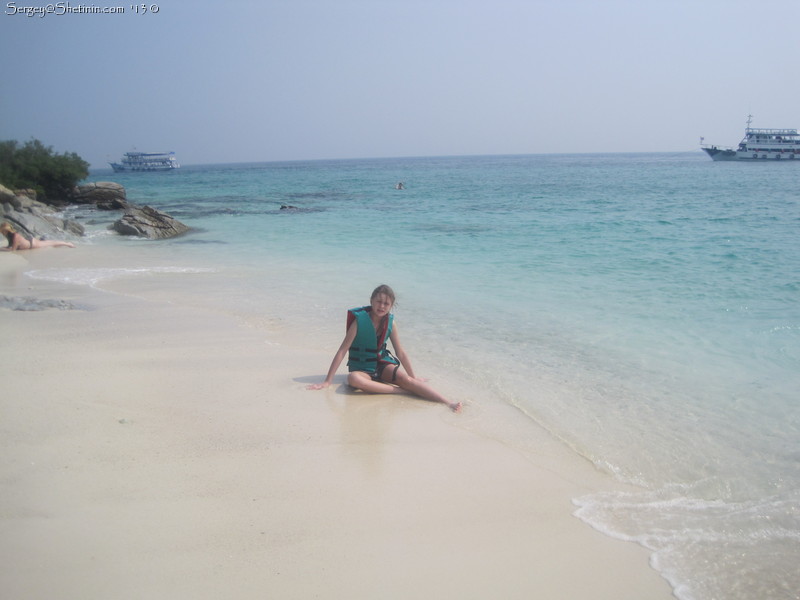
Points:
(317, 386)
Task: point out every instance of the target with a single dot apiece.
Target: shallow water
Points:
(644, 309)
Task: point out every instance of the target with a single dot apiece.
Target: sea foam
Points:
(94, 277)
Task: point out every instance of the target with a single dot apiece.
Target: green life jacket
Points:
(368, 349)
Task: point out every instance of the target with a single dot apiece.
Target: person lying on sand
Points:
(372, 367)
(21, 241)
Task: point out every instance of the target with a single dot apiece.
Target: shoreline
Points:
(155, 449)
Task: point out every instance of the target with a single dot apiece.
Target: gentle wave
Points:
(94, 276)
(696, 538)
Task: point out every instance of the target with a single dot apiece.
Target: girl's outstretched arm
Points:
(337, 358)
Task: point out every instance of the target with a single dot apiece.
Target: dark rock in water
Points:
(297, 209)
(149, 223)
(73, 227)
(112, 205)
(105, 195)
(28, 303)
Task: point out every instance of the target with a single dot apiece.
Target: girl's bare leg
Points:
(417, 387)
(50, 244)
(401, 382)
(363, 381)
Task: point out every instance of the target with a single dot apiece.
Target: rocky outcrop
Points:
(6, 195)
(148, 222)
(31, 217)
(106, 195)
(141, 221)
(28, 193)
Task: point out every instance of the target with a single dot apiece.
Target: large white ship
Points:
(146, 161)
(760, 144)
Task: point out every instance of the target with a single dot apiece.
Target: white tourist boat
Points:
(759, 144)
(146, 161)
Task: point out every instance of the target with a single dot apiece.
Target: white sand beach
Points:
(152, 451)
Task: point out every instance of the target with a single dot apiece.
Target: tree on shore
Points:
(34, 165)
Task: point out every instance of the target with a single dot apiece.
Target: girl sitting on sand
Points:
(372, 367)
(20, 241)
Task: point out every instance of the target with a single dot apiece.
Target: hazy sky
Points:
(304, 79)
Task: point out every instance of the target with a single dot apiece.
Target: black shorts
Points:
(378, 375)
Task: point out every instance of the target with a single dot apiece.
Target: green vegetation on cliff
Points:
(34, 165)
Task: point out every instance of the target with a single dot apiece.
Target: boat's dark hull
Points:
(118, 168)
(750, 155)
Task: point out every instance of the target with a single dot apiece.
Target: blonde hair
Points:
(7, 230)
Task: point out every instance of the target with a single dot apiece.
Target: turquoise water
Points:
(644, 309)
